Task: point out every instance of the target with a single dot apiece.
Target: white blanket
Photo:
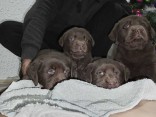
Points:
(73, 98)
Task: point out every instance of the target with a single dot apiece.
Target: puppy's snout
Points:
(110, 79)
(61, 76)
(138, 31)
(81, 46)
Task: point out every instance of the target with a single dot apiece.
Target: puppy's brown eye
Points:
(116, 72)
(126, 26)
(75, 36)
(85, 39)
(51, 71)
(101, 73)
(71, 38)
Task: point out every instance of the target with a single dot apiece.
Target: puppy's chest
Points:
(138, 63)
(133, 57)
(128, 60)
(78, 67)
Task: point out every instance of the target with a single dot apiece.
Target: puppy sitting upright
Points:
(48, 68)
(77, 44)
(133, 38)
(106, 73)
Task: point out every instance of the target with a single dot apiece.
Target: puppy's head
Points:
(48, 69)
(132, 32)
(76, 42)
(107, 73)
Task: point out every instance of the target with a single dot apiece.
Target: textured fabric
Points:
(78, 97)
(59, 15)
(100, 102)
(48, 19)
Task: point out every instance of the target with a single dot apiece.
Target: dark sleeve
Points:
(35, 24)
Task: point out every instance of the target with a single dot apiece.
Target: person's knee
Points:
(9, 26)
(9, 23)
(10, 36)
(8, 29)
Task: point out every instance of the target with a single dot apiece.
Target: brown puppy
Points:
(132, 36)
(48, 68)
(107, 73)
(77, 44)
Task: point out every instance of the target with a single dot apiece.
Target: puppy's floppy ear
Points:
(152, 32)
(91, 38)
(113, 35)
(126, 71)
(63, 38)
(32, 71)
(88, 73)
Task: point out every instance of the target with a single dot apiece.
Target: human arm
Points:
(24, 66)
(35, 24)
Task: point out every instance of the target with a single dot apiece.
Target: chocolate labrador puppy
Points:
(133, 40)
(48, 68)
(106, 73)
(77, 43)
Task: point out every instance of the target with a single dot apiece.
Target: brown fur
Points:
(77, 44)
(133, 36)
(49, 68)
(107, 73)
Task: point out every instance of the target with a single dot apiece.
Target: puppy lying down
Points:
(133, 36)
(48, 68)
(106, 73)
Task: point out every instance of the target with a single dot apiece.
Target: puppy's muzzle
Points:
(137, 33)
(79, 50)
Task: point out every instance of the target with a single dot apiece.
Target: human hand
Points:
(24, 66)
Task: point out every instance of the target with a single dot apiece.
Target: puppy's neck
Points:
(147, 49)
(86, 58)
(78, 65)
(148, 53)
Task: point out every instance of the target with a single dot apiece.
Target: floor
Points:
(5, 83)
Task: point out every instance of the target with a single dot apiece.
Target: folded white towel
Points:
(73, 98)
(100, 102)
(24, 99)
